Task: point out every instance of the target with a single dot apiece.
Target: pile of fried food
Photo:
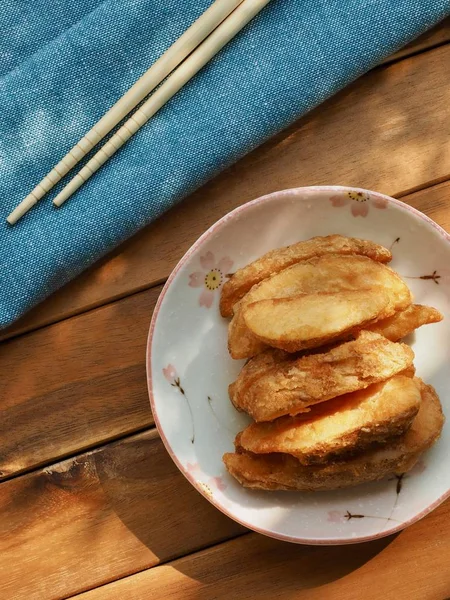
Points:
(332, 391)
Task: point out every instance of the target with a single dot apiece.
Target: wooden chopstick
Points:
(190, 39)
(198, 59)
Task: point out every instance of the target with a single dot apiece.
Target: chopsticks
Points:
(222, 23)
(190, 39)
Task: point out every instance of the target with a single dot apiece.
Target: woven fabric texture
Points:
(64, 63)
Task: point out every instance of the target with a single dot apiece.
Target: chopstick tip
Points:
(22, 209)
(13, 217)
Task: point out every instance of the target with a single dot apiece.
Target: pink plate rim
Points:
(180, 264)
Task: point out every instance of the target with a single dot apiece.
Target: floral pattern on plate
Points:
(189, 368)
(171, 375)
(359, 202)
(210, 278)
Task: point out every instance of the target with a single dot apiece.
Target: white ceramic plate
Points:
(189, 368)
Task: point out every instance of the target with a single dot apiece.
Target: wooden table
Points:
(90, 502)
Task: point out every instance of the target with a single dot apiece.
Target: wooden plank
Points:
(434, 202)
(82, 382)
(100, 516)
(74, 385)
(434, 37)
(388, 131)
(413, 564)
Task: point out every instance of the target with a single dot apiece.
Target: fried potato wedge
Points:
(256, 367)
(341, 427)
(406, 321)
(273, 384)
(277, 260)
(284, 472)
(329, 274)
(312, 320)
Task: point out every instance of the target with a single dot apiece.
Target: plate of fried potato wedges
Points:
(298, 365)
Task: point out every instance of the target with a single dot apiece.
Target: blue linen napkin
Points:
(64, 63)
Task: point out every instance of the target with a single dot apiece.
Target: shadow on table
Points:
(164, 512)
(255, 566)
(142, 485)
(144, 488)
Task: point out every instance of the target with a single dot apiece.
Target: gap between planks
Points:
(80, 314)
(79, 390)
(83, 451)
(254, 566)
(434, 38)
(430, 199)
(335, 124)
(124, 507)
(194, 554)
(17, 331)
(75, 384)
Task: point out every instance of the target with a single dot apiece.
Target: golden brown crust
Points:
(241, 342)
(313, 320)
(272, 384)
(343, 426)
(284, 472)
(254, 369)
(409, 371)
(406, 321)
(277, 260)
(326, 274)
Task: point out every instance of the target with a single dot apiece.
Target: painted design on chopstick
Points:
(359, 202)
(211, 277)
(171, 375)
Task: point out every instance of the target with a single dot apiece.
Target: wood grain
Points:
(389, 131)
(116, 511)
(74, 385)
(410, 565)
(81, 382)
(100, 516)
(430, 39)
(434, 202)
